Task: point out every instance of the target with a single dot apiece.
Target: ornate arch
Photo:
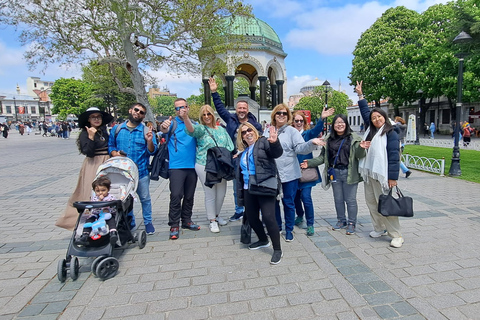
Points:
(277, 67)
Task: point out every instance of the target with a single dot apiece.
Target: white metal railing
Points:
(425, 164)
(447, 143)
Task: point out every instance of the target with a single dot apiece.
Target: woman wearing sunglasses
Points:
(257, 166)
(303, 197)
(288, 165)
(208, 135)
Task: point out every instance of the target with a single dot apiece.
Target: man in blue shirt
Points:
(183, 178)
(137, 143)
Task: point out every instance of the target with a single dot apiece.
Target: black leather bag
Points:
(399, 207)
(160, 161)
(245, 231)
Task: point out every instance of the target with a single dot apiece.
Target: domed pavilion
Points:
(261, 58)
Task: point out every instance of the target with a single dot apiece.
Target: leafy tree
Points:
(316, 102)
(106, 94)
(383, 55)
(70, 96)
(132, 35)
(163, 105)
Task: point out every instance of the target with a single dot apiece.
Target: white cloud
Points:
(278, 9)
(333, 31)
(295, 83)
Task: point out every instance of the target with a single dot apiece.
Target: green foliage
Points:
(106, 94)
(316, 102)
(70, 96)
(468, 159)
(163, 105)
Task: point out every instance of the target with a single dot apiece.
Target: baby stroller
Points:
(123, 174)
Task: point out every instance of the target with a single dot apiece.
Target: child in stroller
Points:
(98, 219)
(123, 174)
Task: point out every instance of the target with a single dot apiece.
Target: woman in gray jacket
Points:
(288, 166)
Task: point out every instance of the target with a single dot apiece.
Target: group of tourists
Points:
(267, 163)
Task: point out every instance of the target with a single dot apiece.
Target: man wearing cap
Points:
(136, 142)
(183, 178)
(232, 121)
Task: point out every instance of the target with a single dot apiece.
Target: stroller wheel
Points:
(107, 268)
(62, 270)
(142, 239)
(95, 264)
(74, 268)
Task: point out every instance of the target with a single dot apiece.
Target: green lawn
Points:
(469, 159)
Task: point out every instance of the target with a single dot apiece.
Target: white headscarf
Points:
(375, 164)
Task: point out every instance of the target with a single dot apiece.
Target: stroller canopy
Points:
(122, 172)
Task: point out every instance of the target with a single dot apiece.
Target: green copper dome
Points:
(256, 31)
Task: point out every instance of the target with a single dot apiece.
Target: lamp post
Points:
(455, 170)
(15, 107)
(420, 100)
(325, 85)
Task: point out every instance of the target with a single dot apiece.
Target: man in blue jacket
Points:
(233, 120)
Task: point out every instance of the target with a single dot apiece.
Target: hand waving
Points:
(272, 134)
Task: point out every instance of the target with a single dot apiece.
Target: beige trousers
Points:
(373, 190)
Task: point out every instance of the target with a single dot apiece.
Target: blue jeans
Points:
(305, 196)
(403, 167)
(143, 192)
(289, 191)
(344, 193)
(238, 209)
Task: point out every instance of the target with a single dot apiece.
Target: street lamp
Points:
(419, 114)
(15, 107)
(455, 170)
(326, 84)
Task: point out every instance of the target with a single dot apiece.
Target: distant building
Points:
(25, 107)
(36, 85)
(155, 91)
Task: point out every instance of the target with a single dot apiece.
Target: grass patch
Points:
(469, 159)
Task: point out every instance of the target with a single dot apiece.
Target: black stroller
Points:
(123, 174)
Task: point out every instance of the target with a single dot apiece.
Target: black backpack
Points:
(160, 162)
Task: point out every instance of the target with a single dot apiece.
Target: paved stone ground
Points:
(435, 275)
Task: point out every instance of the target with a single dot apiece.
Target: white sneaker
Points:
(221, 221)
(397, 242)
(377, 234)
(214, 227)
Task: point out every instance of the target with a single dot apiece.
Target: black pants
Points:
(182, 187)
(253, 205)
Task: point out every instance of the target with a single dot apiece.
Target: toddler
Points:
(101, 187)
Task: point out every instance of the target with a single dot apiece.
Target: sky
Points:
(318, 36)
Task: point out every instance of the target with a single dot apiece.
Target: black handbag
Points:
(245, 231)
(389, 206)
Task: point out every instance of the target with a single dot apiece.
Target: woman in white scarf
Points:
(380, 168)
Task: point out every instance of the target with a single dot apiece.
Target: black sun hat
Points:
(83, 118)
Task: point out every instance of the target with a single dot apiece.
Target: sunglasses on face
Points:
(299, 121)
(282, 113)
(179, 108)
(244, 132)
(208, 114)
(139, 111)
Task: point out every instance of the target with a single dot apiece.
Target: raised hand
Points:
(166, 123)
(149, 135)
(213, 85)
(272, 134)
(327, 112)
(358, 87)
(365, 144)
(91, 132)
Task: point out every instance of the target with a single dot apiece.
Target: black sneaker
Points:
(276, 257)
(191, 226)
(408, 173)
(339, 225)
(259, 244)
(236, 217)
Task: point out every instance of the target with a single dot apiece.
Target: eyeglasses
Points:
(299, 121)
(339, 123)
(180, 108)
(282, 113)
(208, 114)
(95, 117)
(244, 132)
(139, 111)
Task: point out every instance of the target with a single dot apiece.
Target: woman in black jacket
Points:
(257, 170)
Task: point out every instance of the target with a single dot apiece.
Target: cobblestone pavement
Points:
(435, 275)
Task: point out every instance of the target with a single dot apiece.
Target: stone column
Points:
(206, 92)
(229, 98)
(280, 90)
(252, 92)
(263, 92)
(273, 88)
